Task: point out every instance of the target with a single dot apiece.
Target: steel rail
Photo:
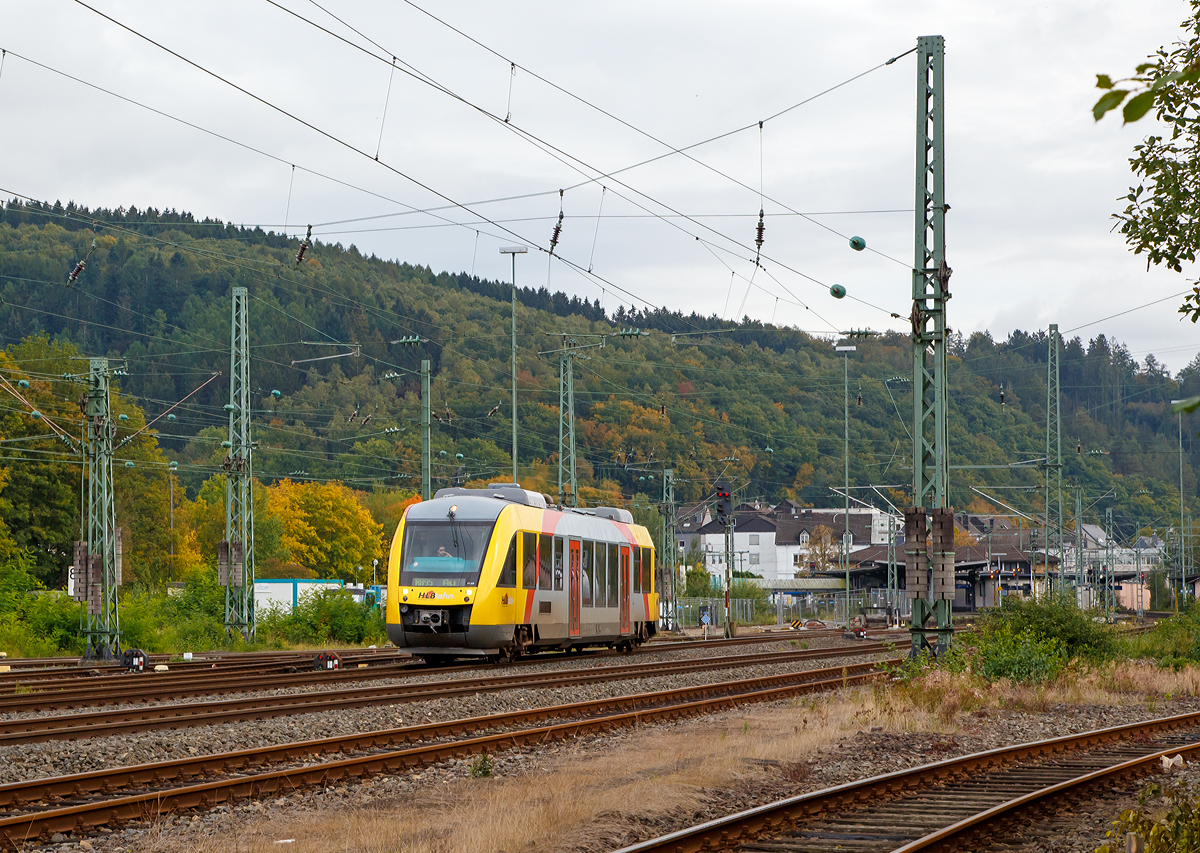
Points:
(226, 664)
(176, 716)
(17, 829)
(730, 832)
(974, 829)
(17, 794)
(121, 689)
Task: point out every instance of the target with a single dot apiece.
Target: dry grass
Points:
(584, 797)
(579, 795)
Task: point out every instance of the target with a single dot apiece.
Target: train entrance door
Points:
(623, 576)
(573, 588)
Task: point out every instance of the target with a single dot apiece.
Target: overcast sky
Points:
(1032, 180)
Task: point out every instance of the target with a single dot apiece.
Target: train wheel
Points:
(437, 660)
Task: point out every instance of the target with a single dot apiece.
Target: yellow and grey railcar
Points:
(499, 572)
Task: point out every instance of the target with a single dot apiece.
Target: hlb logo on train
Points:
(434, 595)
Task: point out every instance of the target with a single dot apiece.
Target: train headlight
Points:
(403, 608)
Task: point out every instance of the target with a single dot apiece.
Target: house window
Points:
(753, 538)
(804, 537)
(754, 559)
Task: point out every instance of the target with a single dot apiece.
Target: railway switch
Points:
(134, 660)
(326, 661)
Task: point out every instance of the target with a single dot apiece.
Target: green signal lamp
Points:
(858, 244)
(837, 291)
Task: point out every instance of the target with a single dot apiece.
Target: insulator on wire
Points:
(860, 396)
(304, 247)
(762, 227)
(75, 272)
(557, 225)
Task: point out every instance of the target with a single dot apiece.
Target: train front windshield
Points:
(443, 553)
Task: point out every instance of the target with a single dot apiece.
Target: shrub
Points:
(321, 618)
(1019, 656)
(1059, 619)
(1177, 830)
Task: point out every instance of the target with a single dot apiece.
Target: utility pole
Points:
(171, 521)
(930, 291)
(669, 562)
(513, 251)
(425, 449)
(1052, 529)
(98, 553)
(1079, 543)
(235, 556)
(1108, 558)
(725, 515)
(566, 422)
(844, 552)
(893, 580)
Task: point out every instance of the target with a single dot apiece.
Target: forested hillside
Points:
(759, 405)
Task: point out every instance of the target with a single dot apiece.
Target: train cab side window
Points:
(560, 561)
(545, 547)
(613, 563)
(508, 572)
(598, 574)
(585, 556)
(529, 560)
(637, 569)
(648, 570)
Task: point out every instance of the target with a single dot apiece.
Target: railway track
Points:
(123, 687)
(78, 803)
(33, 729)
(956, 804)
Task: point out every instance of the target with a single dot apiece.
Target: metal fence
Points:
(830, 607)
(690, 609)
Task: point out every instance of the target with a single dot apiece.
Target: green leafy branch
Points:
(1145, 94)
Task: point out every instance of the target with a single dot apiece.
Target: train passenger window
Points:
(545, 546)
(529, 561)
(560, 561)
(637, 569)
(612, 575)
(598, 575)
(508, 572)
(585, 556)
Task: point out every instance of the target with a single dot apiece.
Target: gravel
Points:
(659, 652)
(862, 754)
(60, 758)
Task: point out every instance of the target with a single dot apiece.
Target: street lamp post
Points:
(846, 349)
(514, 251)
(1182, 576)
